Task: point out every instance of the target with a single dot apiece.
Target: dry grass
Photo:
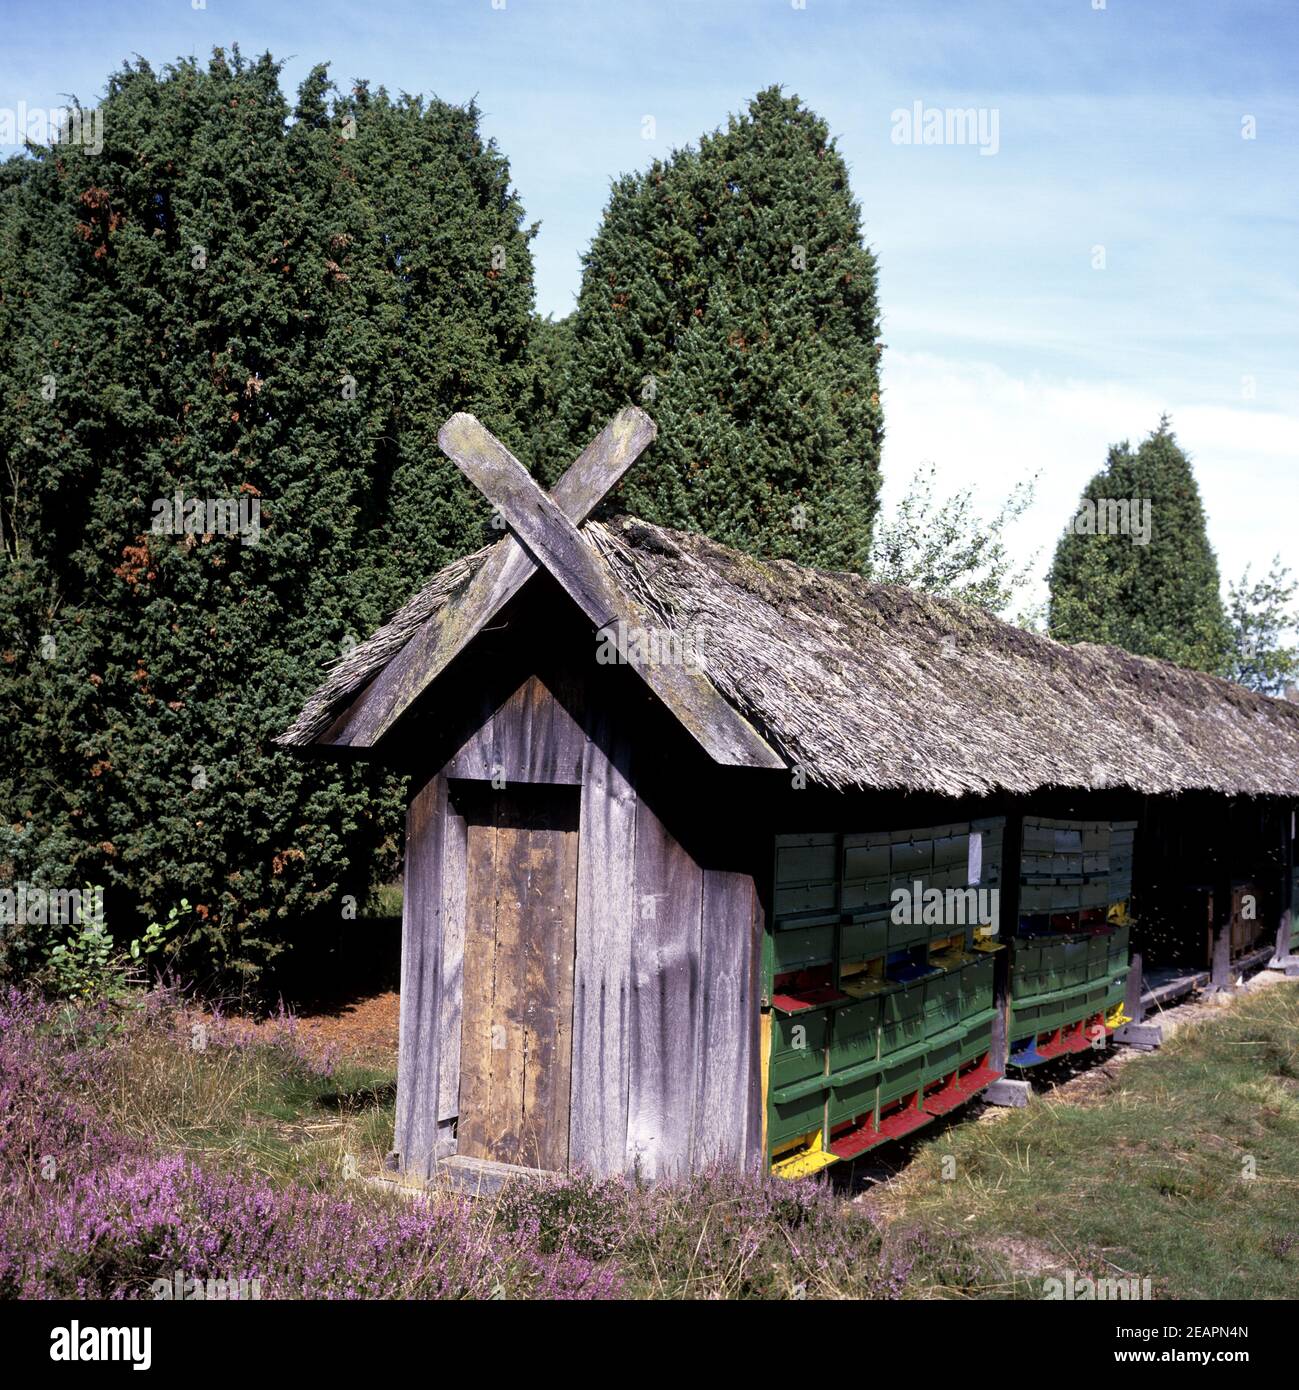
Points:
(244, 1097)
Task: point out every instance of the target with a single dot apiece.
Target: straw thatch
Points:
(867, 685)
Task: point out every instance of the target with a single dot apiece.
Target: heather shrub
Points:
(90, 1211)
(581, 1214)
(143, 1139)
(49, 1057)
(110, 1233)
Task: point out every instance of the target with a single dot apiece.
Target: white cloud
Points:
(984, 427)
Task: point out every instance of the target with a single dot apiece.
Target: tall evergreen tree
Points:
(231, 304)
(728, 292)
(1155, 594)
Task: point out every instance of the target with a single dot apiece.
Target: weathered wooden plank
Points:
(728, 1018)
(417, 1050)
(503, 573)
(538, 736)
(606, 886)
(483, 1177)
(547, 976)
(665, 1001)
(553, 541)
(534, 518)
(509, 998)
(451, 963)
(474, 1138)
(598, 469)
(516, 1043)
(531, 738)
(430, 649)
(755, 1149)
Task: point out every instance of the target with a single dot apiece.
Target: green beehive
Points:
(942, 1058)
(977, 980)
(797, 1075)
(865, 872)
(942, 1001)
(886, 1036)
(807, 880)
(856, 1038)
(852, 1098)
(865, 935)
(803, 947)
(901, 1078)
(798, 1046)
(902, 1018)
(904, 934)
(793, 1113)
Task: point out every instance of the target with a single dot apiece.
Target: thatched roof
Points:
(868, 685)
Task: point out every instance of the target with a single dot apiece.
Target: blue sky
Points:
(1009, 351)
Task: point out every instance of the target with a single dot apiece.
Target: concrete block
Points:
(1007, 1092)
(1143, 1036)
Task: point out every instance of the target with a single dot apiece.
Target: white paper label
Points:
(976, 857)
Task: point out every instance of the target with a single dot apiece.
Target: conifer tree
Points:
(230, 303)
(1156, 594)
(728, 293)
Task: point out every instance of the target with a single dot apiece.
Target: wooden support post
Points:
(421, 938)
(1132, 1005)
(1007, 923)
(1220, 954)
(1285, 923)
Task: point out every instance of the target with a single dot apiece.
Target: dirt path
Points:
(362, 1031)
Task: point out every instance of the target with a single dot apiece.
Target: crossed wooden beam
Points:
(543, 535)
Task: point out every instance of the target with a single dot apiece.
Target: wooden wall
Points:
(665, 1076)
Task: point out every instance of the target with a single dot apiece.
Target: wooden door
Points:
(516, 1039)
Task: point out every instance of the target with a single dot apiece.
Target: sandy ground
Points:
(361, 1030)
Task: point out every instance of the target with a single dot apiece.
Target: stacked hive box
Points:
(881, 1019)
(1070, 955)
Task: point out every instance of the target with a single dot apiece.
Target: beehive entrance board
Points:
(516, 1041)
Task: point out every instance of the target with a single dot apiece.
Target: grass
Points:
(240, 1157)
(1148, 1174)
(1181, 1166)
(262, 1107)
